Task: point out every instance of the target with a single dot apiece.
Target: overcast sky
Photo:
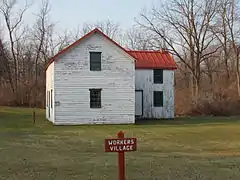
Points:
(68, 14)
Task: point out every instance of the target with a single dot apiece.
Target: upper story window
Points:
(158, 76)
(95, 61)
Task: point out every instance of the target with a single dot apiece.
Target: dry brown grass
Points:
(25, 98)
(217, 99)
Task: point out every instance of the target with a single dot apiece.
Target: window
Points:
(51, 98)
(47, 99)
(95, 98)
(158, 76)
(158, 98)
(95, 61)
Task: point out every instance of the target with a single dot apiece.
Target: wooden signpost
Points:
(121, 145)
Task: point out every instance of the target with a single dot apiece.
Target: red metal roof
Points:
(144, 59)
(153, 60)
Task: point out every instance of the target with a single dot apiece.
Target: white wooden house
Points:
(96, 81)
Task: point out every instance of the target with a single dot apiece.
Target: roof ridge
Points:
(149, 51)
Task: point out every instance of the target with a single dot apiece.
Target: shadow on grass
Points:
(189, 121)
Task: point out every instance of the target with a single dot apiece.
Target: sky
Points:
(69, 14)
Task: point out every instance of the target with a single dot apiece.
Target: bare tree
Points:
(137, 39)
(40, 32)
(108, 27)
(227, 31)
(184, 25)
(13, 22)
(76, 33)
(5, 66)
(221, 31)
(232, 20)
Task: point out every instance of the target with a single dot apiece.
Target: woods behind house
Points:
(202, 35)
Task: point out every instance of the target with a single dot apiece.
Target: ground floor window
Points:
(47, 99)
(51, 98)
(95, 98)
(158, 98)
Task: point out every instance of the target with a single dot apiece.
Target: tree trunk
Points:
(225, 44)
(193, 86)
(192, 58)
(210, 76)
(238, 84)
(237, 73)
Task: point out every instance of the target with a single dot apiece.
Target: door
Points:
(49, 112)
(138, 102)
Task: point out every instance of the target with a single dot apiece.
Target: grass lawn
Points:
(181, 149)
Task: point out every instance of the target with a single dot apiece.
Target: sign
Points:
(121, 145)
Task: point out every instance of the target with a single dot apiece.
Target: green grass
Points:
(181, 149)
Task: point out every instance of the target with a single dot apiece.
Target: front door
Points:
(138, 102)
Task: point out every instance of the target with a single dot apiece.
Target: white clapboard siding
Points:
(144, 81)
(73, 79)
(49, 87)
